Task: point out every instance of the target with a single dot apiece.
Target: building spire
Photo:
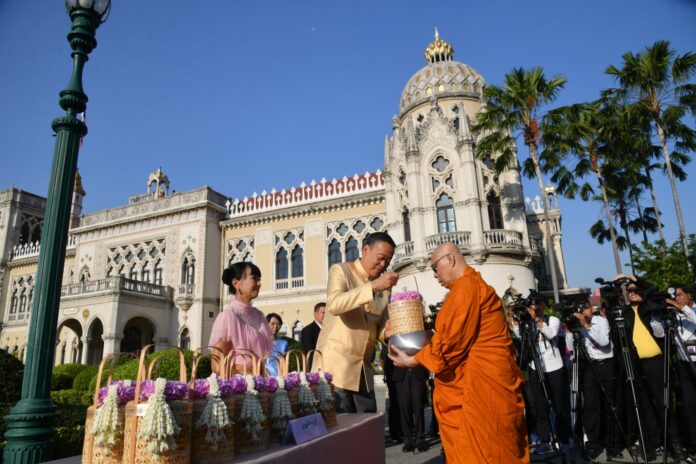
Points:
(438, 50)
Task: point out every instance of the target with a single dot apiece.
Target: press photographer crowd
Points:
(617, 376)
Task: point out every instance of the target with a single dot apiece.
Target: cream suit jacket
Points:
(354, 318)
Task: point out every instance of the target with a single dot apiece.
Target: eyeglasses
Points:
(434, 266)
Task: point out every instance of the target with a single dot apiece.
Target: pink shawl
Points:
(245, 327)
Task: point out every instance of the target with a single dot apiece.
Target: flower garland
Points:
(108, 424)
(326, 399)
(126, 392)
(305, 399)
(405, 296)
(159, 428)
(252, 414)
(282, 411)
(214, 416)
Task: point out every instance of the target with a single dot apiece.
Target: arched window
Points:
(334, 252)
(495, 213)
(24, 234)
(145, 274)
(352, 252)
(185, 339)
(36, 234)
(188, 269)
(158, 273)
(281, 264)
(297, 330)
(23, 301)
(445, 214)
(133, 274)
(297, 262)
(84, 274)
(15, 302)
(407, 225)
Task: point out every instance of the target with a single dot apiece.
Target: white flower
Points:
(282, 411)
(108, 426)
(252, 415)
(250, 384)
(305, 400)
(158, 427)
(214, 416)
(281, 382)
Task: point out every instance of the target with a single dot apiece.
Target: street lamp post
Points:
(30, 424)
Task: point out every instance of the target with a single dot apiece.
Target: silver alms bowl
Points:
(411, 342)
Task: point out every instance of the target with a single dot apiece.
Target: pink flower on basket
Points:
(292, 381)
(405, 296)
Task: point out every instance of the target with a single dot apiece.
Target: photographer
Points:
(645, 331)
(685, 311)
(597, 372)
(544, 330)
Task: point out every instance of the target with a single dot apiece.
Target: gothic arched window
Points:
(188, 269)
(282, 264)
(495, 213)
(407, 225)
(352, 252)
(334, 252)
(297, 262)
(185, 339)
(445, 214)
(15, 302)
(23, 301)
(158, 273)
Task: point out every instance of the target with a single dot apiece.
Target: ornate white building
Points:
(149, 271)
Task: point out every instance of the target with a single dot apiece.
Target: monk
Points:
(478, 386)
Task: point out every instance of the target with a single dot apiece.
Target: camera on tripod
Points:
(568, 312)
(517, 306)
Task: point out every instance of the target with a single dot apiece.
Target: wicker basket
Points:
(134, 449)
(317, 366)
(201, 452)
(92, 454)
(406, 316)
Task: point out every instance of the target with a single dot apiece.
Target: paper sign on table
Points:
(304, 429)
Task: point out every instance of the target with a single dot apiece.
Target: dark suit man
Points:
(310, 334)
(412, 391)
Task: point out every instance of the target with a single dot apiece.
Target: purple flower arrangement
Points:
(260, 383)
(312, 378)
(126, 391)
(271, 384)
(201, 388)
(174, 390)
(292, 381)
(237, 384)
(328, 376)
(405, 296)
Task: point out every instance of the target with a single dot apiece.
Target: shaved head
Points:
(448, 263)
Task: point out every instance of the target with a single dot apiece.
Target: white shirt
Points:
(597, 340)
(686, 327)
(551, 359)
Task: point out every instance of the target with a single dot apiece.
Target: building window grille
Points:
(445, 214)
(495, 213)
(297, 262)
(281, 264)
(352, 252)
(334, 252)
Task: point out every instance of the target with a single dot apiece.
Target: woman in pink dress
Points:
(240, 326)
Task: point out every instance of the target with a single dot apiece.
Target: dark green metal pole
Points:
(30, 424)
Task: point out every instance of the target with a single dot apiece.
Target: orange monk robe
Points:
(478, 386)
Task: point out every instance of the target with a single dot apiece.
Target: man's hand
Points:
(400, 358)
(672, 304)
(583, 320)
(385, 281)
(532, 312)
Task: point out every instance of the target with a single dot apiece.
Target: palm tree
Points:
(510, 110)
(583, 132)
(658, 81)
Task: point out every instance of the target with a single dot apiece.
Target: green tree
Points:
(662, 265)
(511, 110)
(657, 81)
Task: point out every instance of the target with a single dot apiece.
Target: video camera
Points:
(517, 306)
(568, 312)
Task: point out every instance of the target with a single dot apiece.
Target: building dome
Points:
(442, 76)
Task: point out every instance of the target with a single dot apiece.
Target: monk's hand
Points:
(400, 358)
(385, 281)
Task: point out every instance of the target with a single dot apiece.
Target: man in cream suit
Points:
(356, 312)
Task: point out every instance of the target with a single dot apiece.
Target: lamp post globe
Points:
(31, 422)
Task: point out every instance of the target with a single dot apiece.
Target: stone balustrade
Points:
(30, 250)
(287, 284)
(115, 283)
(403, 250)
(459, 238)
(500, 239)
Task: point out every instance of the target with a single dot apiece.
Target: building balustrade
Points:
(286, 284)
(403, 250)
(459, 238)
(186, 291)
(503, 239)
(114, 283)
(30, 250)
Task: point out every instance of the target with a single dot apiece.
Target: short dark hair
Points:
(375, 237)
(318, 306)
(685, 288)
(236, 271)
(270, 316)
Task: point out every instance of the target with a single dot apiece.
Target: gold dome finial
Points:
(438, 50)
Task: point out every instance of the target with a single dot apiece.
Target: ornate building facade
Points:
(149, 271)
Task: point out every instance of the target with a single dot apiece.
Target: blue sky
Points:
(247, 96)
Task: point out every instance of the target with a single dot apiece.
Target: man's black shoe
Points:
(408, 447)
(614, 454)
(592, 453)
(678, 452)
(422, 446)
